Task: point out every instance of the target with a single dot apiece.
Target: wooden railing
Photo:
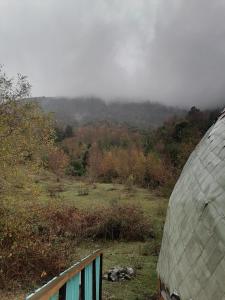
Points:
(82, 281)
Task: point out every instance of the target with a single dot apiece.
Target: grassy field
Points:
(134, 254)
(104, 194)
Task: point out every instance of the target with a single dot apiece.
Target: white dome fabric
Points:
(192, 257)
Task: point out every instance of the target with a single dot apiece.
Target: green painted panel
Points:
(73, 288)
(55, 297)
(97, 263)
(88, 282)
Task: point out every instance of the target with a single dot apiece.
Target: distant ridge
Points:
(87, 110)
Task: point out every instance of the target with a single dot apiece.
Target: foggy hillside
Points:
(85, 110)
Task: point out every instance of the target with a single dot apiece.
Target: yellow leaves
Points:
(58, 161)
(125, 163)
(128, 165)
(43, 274)
(25, 134)
(108, 163)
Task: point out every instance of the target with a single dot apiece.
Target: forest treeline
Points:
(82, 110)
(114, 153)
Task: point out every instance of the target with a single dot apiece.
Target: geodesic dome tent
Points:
(192, 258)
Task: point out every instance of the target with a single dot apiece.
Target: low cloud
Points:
(170, 51)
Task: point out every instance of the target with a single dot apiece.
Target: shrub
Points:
(117, 222)
(35, 240)
(31, 259)
(122, 222)
(83, 191)
(75, 168)
(55, 189)
(29, 253)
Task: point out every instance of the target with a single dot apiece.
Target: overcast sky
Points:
(162, 50)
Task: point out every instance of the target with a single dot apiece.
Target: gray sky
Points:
(164, 50)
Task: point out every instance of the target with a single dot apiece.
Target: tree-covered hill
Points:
(87, 110)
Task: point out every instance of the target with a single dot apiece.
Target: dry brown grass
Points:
(36, 240)
(11, 296)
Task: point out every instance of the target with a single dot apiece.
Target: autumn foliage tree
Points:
(57, 161)
(94, 162)
(25, 135)
(153, 158)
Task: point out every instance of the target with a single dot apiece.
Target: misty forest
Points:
(94, 136)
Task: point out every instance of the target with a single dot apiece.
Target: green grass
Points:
(128, 254)
(142, 286)
(116, 253)
(104, 194)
